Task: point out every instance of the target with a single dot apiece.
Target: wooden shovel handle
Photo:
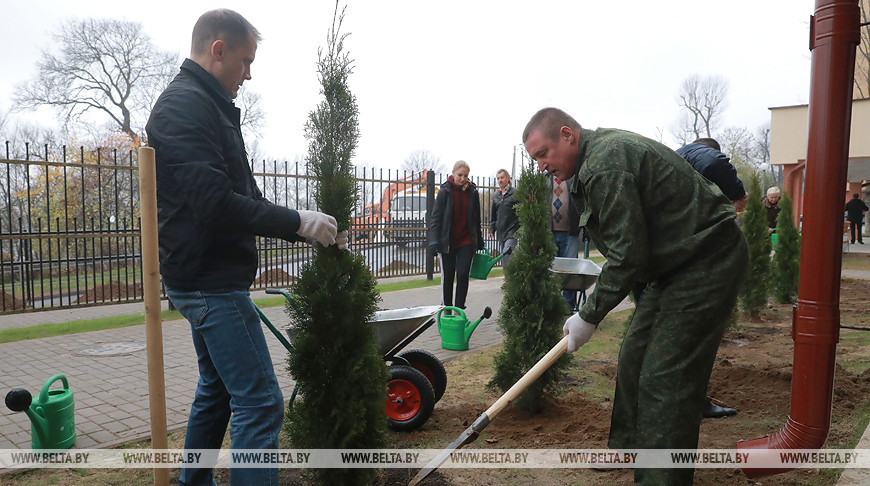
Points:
(533, 374)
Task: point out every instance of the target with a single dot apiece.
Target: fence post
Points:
(430, 203)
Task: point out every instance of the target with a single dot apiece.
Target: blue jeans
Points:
(237, 382)
(567, 245)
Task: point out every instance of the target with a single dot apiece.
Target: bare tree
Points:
(107, 66)
(253, 117)
(421, 160)
(703, 100)
(862, 61)
(739, 144)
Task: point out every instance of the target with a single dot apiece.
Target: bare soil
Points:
(111, 290)
(273, 276)
(11, 303)
(752, 374)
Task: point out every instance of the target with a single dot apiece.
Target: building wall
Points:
(788, 148)
(862, 57)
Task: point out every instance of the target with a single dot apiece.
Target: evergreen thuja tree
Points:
(533, 310)
(341, 377)
(786, 260)
(753, 295)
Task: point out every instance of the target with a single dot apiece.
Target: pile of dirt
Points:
(274, 278)
(753, 373)
(111, 291)
(11, 303)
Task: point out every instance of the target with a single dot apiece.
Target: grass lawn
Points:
(73, 327)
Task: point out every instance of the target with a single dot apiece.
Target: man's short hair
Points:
(709, 142)
(549, 121)
(503, 171)
(221, 24)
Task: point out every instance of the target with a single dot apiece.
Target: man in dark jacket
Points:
(855, 210)
(503, 221)
(655, 220)
(209, 213)
(706, 157)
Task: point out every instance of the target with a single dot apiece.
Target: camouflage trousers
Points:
(667, 356)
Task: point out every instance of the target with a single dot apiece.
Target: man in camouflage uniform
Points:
(656, 220)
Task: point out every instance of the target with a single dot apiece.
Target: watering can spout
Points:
(39, 425)
(52, 414)
(19, 400)
(487, 312)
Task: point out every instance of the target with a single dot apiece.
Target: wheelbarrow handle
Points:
(287, 295)
(272, 328)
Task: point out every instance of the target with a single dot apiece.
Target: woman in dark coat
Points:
(455, 233)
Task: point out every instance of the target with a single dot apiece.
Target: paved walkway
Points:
(111, 391)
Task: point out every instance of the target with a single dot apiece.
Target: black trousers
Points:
(855, 229)
(456, 264)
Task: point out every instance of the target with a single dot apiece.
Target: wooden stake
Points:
(153, 320)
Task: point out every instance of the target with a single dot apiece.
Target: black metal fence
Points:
(69, 225)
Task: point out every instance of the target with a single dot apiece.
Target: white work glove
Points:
(578, 332)
(341, 240)
(317, 226)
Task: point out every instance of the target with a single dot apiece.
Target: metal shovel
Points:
(471, 433)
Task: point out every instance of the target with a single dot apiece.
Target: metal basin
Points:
(391, 326)
(575, 273)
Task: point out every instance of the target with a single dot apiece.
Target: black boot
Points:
(711, 410)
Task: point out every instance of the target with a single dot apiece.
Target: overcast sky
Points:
(461, 78)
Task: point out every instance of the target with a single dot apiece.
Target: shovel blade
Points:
(470, 435)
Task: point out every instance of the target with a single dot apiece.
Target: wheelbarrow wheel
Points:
(410, 398)
(431, 367)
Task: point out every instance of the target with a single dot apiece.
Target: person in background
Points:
(706, 157)
(209, 212)
(771, 201)
(503, 221)
(564, 225)
(855, 210)
(655, 220)
(454, 233)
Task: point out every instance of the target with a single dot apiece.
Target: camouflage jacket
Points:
(647, 210)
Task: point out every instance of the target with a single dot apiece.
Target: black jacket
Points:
(503, 218)
(209, 208)
(442, 215)
(855, 209)
(716, 167)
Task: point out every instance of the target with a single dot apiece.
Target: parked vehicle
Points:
(408, 216)
(365, 224)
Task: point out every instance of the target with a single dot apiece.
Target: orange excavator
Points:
(375, 217)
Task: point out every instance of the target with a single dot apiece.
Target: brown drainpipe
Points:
(834, 34)
(792, 186)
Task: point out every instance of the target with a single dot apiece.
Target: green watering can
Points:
(482, 264)
(456, 329)
(52, 417)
